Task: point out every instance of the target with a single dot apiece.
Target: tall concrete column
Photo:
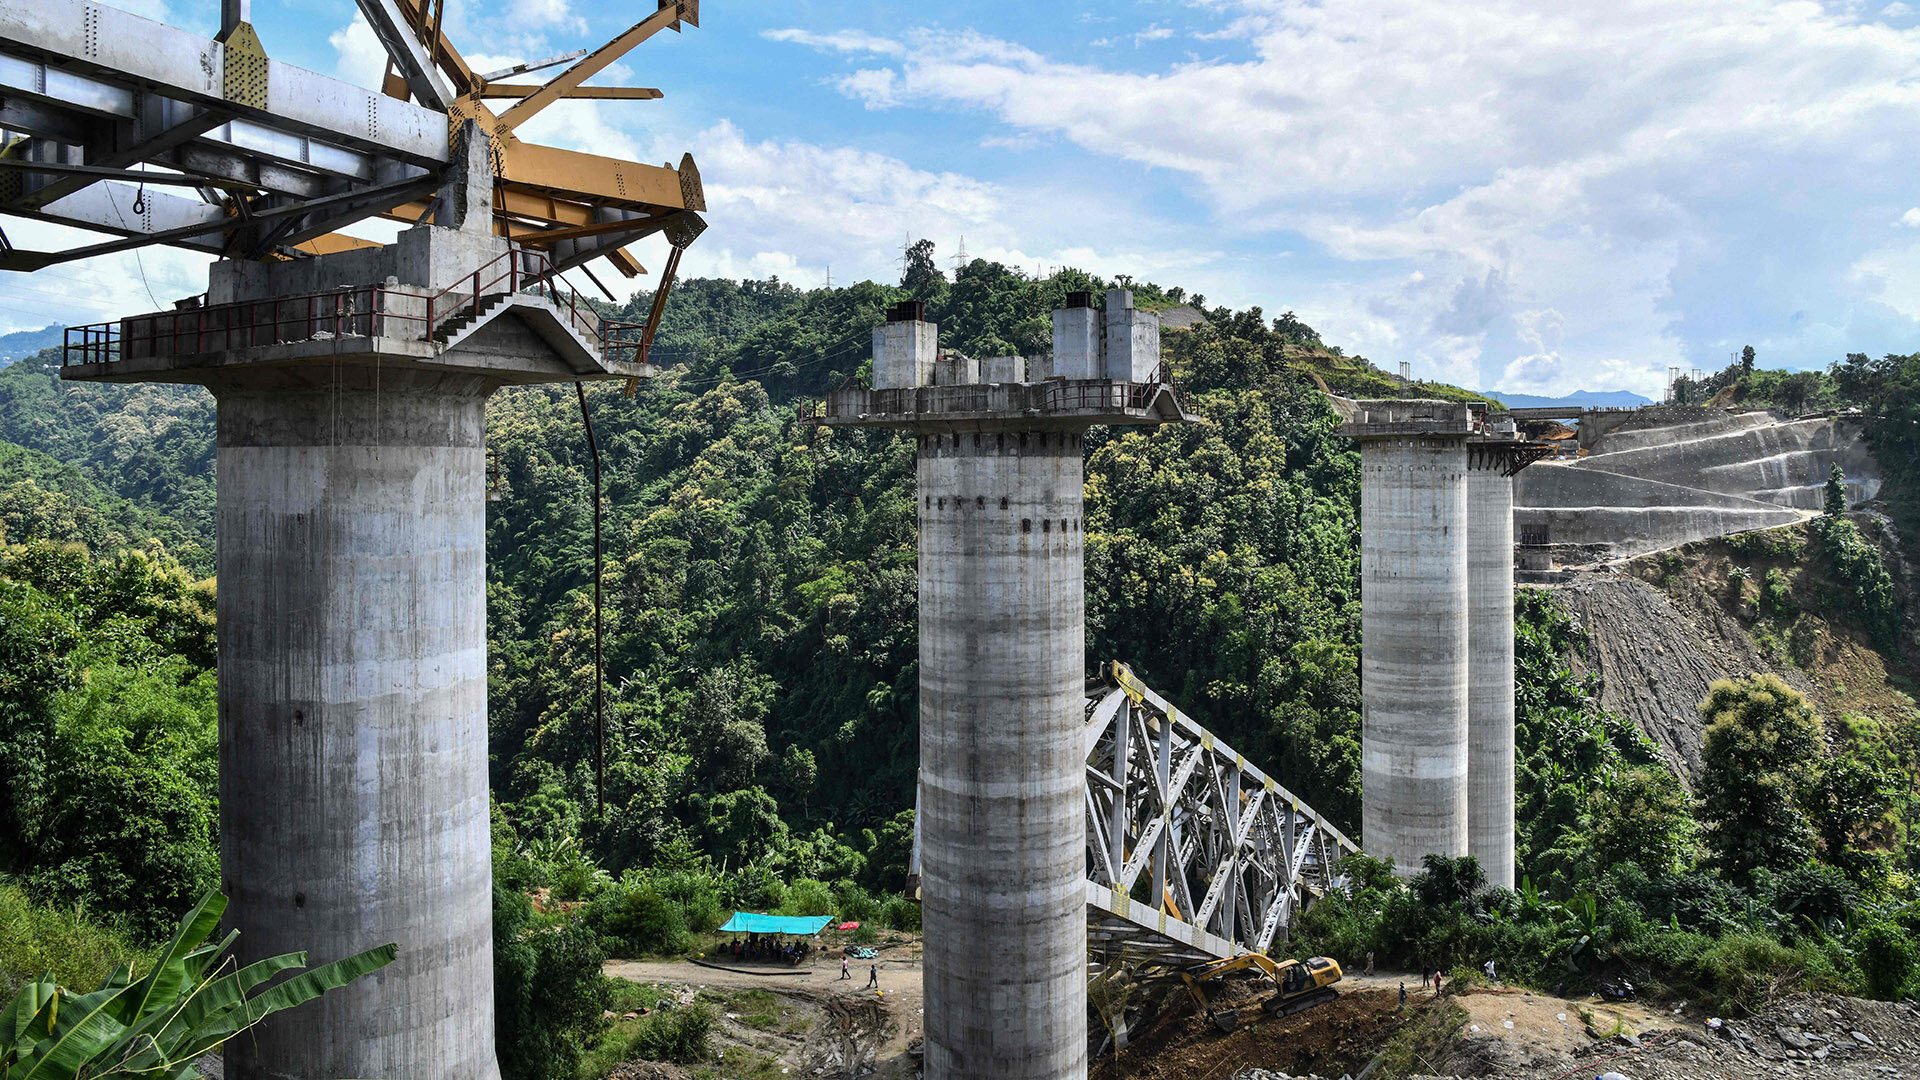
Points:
(1414, 647)
(353, 713)
(1490, 628)
(1002, 806)
(1002, 696)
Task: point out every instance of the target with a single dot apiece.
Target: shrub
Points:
(636, 920)
(682, 1035)
(855, 904)
(1742, 972)
(1889, 960)
(698, 897)
(900, 913)
(808, 897)
(1776, 593)
(548, 993)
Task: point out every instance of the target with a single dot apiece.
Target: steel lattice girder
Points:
(92, 58)
(1192, 852)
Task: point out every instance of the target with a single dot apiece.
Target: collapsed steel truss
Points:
(1193, 853)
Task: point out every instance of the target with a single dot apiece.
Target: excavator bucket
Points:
(1226, 1020)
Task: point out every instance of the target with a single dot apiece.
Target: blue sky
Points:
(1535, 196)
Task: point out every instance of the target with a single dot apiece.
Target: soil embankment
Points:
(1662, 628)
(824, 1028)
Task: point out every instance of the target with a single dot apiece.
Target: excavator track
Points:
(1276, 1007)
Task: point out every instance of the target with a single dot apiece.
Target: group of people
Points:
(873, 972)
(1431, 977)
(768, 947)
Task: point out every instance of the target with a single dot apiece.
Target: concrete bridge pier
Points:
(351, 392)
(1436, 664)
(1002, 822)
(1490, 795)
(1002, 690)
(1415, 640)
(353, 712)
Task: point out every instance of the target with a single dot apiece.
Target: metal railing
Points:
(348, 312)
(359, 311)
(1051, 396)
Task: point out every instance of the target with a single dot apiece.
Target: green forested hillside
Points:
(761, 652)
(149, 444)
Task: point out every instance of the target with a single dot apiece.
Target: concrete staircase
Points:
(469, 327)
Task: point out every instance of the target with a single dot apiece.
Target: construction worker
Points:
(1403, 995)
(873, 976)
(846, 969)
(1369, 961)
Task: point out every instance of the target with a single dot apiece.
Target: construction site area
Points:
(1106, 886)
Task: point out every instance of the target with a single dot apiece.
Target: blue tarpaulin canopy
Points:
(746, 922)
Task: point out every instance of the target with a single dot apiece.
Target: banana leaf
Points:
(154, 1029)
(295, 991)
(212, 1000)
(80, 1032)
(169, 975)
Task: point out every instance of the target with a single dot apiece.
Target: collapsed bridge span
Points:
(1193, 853)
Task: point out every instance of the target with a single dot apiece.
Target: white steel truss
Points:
(1193, 853)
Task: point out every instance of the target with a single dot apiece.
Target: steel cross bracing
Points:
(1193, 853)
(121, 125)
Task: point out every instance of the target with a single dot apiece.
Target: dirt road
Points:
(849, 1027)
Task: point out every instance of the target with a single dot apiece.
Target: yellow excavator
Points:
(1298, 985)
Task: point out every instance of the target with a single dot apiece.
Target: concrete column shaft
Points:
(353, 717)
(1414, 647)
(1002, 818)
(1490, 697)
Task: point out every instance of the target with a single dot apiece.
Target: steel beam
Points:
(1164, 792)
(125, 51)
(416, 67)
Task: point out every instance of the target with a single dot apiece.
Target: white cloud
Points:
(845, 41)
(1911, 219)
(1893, 276)
(547, 14)
(93, 290)
(874, 86)
(1605, 162)
(1897, 9)
(362, 59)
(794, 208)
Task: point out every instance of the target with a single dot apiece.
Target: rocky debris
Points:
(648, 1070)
(1820, 1035)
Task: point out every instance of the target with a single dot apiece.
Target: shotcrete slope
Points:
(1666, 476)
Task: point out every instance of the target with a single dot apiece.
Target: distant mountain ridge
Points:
(24, 343)
(1592, 399)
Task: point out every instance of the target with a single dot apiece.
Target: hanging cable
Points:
(599, 667)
